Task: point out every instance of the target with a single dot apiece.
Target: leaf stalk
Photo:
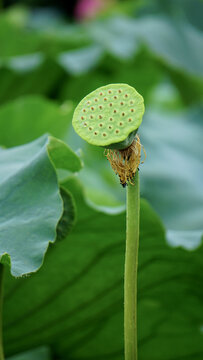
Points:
(131, 265)
(1, 311)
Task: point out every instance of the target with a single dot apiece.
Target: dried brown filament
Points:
(126, 162)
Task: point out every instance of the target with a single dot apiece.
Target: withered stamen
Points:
(126, 162)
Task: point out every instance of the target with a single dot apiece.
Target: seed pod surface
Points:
(108, 115)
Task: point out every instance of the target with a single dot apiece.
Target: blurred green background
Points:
(52, 53)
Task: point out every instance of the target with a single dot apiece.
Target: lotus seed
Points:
(116, 104)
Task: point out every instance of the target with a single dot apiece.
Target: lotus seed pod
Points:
(109, 116)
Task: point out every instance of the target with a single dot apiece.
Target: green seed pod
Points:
(109, 116)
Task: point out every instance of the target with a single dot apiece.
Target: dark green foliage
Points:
(72, 308)
(74, 303)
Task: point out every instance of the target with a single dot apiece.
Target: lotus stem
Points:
(131, 265)
(1, 311)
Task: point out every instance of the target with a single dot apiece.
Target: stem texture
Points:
(131, 263)
(1, 311)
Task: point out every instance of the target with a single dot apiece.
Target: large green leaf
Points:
(30, 202)
(31, 56)
(27, 57)
(177, 43)
(173, 168)
(17, 40)
(77, 62)
(74, 303)
(41, 353)
(29, 117)
(16, 81)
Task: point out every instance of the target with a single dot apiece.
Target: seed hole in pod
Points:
(104, 134)
(92, 108)
(90, 128)
(100, 93)
(95, 133)
(126, 95)
(100, 107)
(132, 110)
(105, 99)
(117, 131)
(91, 117)
(131, 102)
(109, 91)
(84, 110)
(120, 123)
(122, 103)
(115, 97)
(114, 111)
(110, 104)
(100, 117)
(100, 124)
(85, 124)
(111, 119)
(120, 91)
(95, 99)
(123, 114)
(82, 117)
(129, 120)
(110, 127)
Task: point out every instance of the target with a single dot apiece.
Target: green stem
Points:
(131, 263)
(1, 311)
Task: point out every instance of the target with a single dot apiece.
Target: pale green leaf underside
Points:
(30, 202)
(74, 303)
